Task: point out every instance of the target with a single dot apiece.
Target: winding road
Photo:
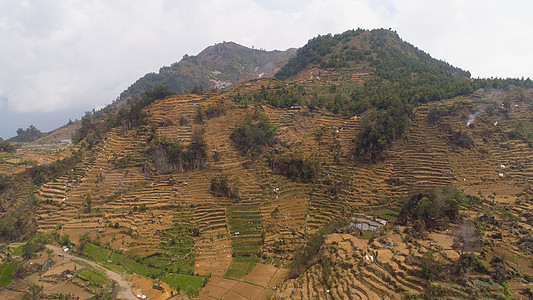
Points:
(125, 289)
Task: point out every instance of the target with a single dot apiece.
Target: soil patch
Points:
(261, 275)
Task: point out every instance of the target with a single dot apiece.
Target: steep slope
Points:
(278, 214)
(141, 202)
(375, 50)
(218, 66)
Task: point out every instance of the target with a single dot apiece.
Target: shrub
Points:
(434, 208)
(95, 124)
(304, 257)
(44, 173)
(5, 146)
(64, 240)
(499, 273)
(379, 128)
(295, 166)
(253, 133)
(20, 224)
(432, 266)
(34, 245)
(169, 155)
(220, 187)
(4, 181)
(461, 139)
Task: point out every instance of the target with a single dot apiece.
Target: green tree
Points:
(88, 203)
(253, 133)
(64, 240)
(5, 146)
(34, 292)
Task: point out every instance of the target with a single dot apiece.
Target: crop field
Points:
(245, 230)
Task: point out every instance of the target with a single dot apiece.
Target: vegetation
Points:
(253, 133)
(402, 77)
(95, 124)
(119, 262)
(246, 221)
(437, 112)
(19, 225)
(87, 204)
(44, 173)
(461, 139)
(34, 292)
(223, 63)
(189, 284)
(220, 187)
(7, 273)
(29, 134)
(433, 209)
(177, 246)
(295, 166)
(280, 97)
(34, 245)
(94, 280)
(5, 146)
(4, 182)
(523, 130)
(240, 266)
(391, 59)
(212, 111)
(379, 128)
(173, 263)
(135, 116)
(305, 257)
(169, 155)
(432, 266)
(246, 242)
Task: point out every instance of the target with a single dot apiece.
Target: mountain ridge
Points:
(216, 67)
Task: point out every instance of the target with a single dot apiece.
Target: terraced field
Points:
(118, 197)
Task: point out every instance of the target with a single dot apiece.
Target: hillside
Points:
(216, 67)
(281, 189)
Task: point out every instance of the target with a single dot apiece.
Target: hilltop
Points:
(216, 67)
(387, 174)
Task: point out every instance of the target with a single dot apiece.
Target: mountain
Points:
(216, 67)
(377, 50)
(381, 57)
(393, 176)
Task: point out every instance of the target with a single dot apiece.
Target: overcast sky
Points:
(61, 58)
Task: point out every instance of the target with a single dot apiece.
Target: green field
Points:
(119, 262)
(247, 244)
(176, 247)
(7, 275)
(240, 266)
(97, 277)
(17, 251)
(189, 284)
(387, 214)
(247, 222)
(174, 262)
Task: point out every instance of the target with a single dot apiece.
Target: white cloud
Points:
(484, 37)
(75, 55)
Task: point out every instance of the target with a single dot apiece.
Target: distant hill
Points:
(219, 66)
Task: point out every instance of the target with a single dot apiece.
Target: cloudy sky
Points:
(61, 58)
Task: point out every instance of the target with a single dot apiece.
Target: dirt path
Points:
(125, 289)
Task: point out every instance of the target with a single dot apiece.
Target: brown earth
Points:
(423, 158)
